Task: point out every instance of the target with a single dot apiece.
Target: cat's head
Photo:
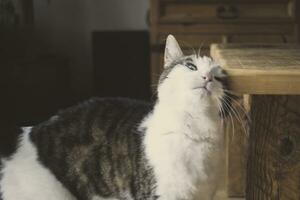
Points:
(190, 76)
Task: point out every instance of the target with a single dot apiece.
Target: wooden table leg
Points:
(273, 169)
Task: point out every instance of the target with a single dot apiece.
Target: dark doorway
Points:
(121, 63)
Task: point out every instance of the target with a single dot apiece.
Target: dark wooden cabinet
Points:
(200, 23)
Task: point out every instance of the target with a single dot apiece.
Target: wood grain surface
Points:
(273, 170)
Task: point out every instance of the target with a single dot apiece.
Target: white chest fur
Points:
(183, 145)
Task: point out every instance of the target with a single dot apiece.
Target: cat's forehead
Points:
(203, 61)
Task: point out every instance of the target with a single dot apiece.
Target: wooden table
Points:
(268, 77)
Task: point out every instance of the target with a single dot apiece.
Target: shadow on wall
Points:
(36, 69)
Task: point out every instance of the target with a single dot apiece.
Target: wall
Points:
(118, 14)
(65, 26)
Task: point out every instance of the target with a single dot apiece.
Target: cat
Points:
(124, 149)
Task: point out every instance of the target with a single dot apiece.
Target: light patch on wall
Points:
(119, 14)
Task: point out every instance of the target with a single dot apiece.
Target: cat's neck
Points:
(184, 100)
(198, 116)
(187, 103)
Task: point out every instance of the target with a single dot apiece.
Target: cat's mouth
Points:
(204, 88)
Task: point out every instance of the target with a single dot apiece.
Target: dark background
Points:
(54, 54)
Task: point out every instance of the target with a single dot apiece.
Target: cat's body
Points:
(124, 149)
(87, 154)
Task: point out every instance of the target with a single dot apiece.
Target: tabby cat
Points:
(122, 149)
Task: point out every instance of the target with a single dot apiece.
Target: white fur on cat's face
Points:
(189, 75)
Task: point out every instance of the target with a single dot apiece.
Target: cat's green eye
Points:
(191, 66)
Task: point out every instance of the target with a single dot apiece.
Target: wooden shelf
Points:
(260, 69)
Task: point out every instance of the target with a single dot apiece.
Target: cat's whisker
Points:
(221, 111)
(220, 108)
(231, 92)
(238, 117)
(233, 126)
(199, 49)
(231, 118)
(223, 120)
(240, 106)
(232, 122)
(233, 110)
(189, 46)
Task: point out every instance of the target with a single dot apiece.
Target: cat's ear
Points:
(172, 50)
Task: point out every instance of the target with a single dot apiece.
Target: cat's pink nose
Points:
(208, 77)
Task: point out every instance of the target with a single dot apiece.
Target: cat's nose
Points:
(208, 78)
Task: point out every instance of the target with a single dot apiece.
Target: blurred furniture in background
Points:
(269, 75)
(34, 82)
(197, 24)
(121, 64)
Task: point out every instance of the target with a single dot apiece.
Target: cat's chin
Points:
(204, 90)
